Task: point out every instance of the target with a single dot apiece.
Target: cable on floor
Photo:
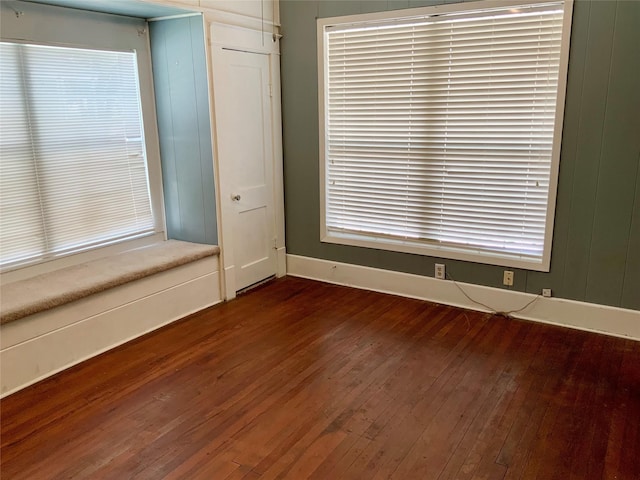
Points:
(494, 311)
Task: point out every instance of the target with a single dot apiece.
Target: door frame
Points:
(223, 36)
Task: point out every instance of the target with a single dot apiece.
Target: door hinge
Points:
(270, 90)
(275, 243)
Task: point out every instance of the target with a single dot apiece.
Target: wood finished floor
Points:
(299, 379)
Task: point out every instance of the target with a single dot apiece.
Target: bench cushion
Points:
(42, 292)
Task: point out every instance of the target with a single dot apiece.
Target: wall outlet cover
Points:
(508, 278)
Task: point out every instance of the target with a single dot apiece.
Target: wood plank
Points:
(299, 379)
(588, 148)
(618, 163)
(569, 160)
(631, 287)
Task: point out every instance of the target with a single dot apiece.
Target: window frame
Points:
(442, 251)
(49, 262)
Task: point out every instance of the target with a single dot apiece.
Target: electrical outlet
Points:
(508, 278)
(440, 271)
(546, 292)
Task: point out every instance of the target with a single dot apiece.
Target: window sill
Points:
(19, 272)
(444, 252)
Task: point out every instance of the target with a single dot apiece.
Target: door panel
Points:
(244, 137)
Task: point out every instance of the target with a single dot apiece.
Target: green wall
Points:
(184, 128)
(596, 241)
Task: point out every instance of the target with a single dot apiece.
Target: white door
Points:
(245, 155)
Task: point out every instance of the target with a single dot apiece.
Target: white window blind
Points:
(73, 172)
(439, 130)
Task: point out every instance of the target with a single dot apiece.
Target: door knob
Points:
(235, 197)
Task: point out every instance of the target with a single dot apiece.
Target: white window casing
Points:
(440, 129)
(73, 170)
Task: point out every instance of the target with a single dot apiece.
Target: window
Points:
(73, 170)
(440, 130)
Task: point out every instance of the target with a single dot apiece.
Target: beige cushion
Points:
(42, 292)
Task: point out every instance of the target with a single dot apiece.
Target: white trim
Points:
(278, 167)
(229, 282)
(589, 317)
(46, 343)
(429, 11)
(220, 226)
(174, 17)
(216, 12)
(322, 125)
(557, 134)
(424, 247)
(281, 254)
(243, 38)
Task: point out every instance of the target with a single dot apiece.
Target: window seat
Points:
(57, 319)
(53, 289)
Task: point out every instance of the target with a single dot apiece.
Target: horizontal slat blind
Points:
(21, 230)
(440, 130)
(73, 163)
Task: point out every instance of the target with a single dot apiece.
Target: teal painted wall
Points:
(596, 242)
(184, 129)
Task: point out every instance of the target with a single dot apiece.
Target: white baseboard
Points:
(230, 282)
(590, 317)
(46, 343)
(281, 254)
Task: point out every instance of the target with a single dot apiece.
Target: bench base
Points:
(48, 342)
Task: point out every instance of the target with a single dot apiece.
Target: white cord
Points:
(491, 309)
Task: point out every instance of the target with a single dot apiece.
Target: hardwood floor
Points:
(299, 379)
